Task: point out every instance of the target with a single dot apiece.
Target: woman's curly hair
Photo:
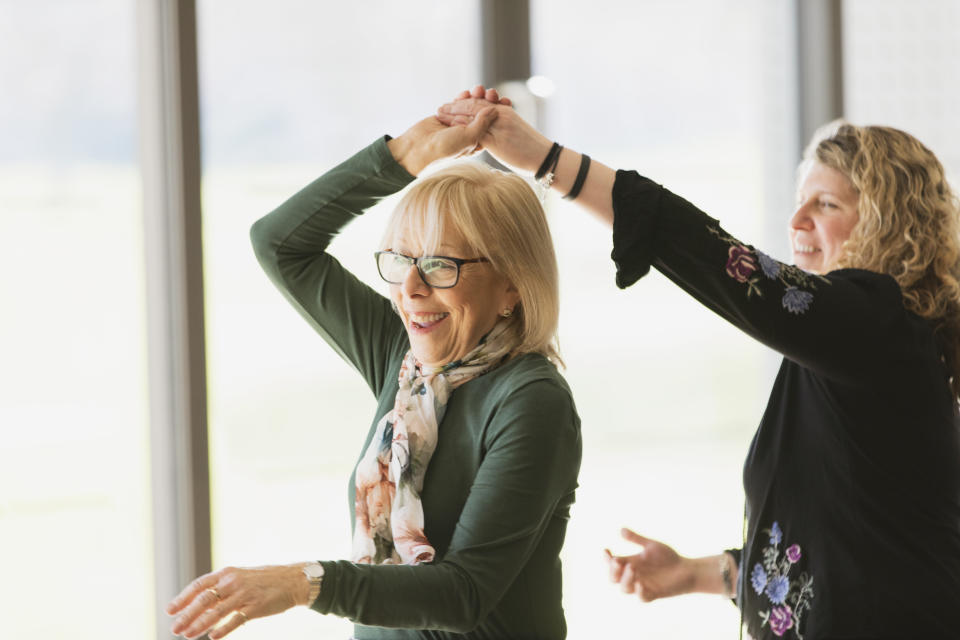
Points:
(909, 225)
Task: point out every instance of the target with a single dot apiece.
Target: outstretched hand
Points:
(655, 571)
(221, 601)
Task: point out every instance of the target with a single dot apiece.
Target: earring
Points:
(506, 313)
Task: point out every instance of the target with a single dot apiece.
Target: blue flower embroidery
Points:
(776, 535)
(777, 589)
(769, 266)
(796, 300)
(758, 579)
(788, 599)
(745, 265)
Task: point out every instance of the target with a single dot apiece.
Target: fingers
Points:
(634, 537)
(466, 140)
(192, 591)
(219, 618)
(627, 579)
(204, 603)
(224, 612)
(468, 107)
(615, 566)
(478, 92)
(451, 120)
(203, 622)
(236, 620)
(483, 120)
(200, 614)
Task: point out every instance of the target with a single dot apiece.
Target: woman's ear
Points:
(511, 297)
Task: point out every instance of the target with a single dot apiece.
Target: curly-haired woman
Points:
(852, 480)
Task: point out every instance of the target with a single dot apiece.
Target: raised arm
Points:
(291, 242)
(514, 142)
(831, 324)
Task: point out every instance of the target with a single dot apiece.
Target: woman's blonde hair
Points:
(501, 219)
(909, 225)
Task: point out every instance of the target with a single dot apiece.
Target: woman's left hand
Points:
(221, 601)
(430, 140)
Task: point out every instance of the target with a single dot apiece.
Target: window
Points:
(901, 68)
(74, 464)
(288, 91)
(663, 88)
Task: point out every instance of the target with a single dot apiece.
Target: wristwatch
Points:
(314, 573)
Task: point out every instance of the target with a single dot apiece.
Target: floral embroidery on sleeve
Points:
(751, 267)
(790, 599)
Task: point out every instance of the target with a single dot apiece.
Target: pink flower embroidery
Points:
(789, 599)
(781, 619)
(793, 553)
(740, 264)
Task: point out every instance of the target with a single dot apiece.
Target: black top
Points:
(852, 480)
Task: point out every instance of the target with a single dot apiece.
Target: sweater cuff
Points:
(636, 220)
(328, 588)
(385, 165)
(737, 557)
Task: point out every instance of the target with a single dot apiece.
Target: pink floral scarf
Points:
(389, 478)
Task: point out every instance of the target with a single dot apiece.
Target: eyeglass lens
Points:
(436, 272)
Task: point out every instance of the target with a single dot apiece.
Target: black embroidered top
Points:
(853, 477)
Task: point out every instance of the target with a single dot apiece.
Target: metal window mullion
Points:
(820, 64)
(170, 169)
(505, 41)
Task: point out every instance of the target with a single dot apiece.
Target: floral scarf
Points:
(389, 478)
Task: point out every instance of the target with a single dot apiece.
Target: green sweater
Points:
(498, 491)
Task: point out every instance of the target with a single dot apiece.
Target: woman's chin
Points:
(426, 354)
(811, 263)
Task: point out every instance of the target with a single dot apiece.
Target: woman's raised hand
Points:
(509, 137)
(656, 571)
(431, 139)
(221, 601)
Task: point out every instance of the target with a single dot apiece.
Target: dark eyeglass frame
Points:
(416, 261)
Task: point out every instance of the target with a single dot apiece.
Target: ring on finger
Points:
(244, 616)
(216, 594)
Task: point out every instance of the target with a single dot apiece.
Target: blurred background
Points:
(712, 99)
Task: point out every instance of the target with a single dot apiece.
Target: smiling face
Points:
(446, 324)
(826, 215)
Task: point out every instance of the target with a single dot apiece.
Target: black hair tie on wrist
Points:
(552, 157)
(581, 178)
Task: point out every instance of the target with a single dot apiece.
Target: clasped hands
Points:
(476, 119)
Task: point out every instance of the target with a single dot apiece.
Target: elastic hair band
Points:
(552, 156)
(581, 178)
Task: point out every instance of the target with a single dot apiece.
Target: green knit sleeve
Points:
(290, 244)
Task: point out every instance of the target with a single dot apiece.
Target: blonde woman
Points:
(853, 478)
(466, 476)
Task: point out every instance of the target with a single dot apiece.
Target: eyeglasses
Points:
(439, 272)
